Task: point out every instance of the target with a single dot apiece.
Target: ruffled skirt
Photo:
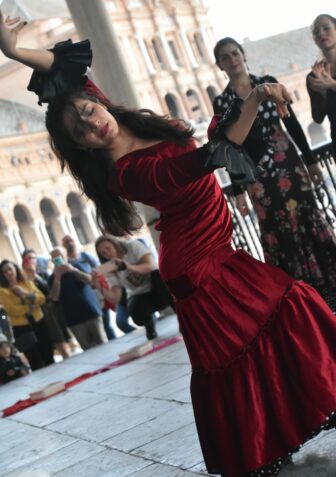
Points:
(263, 350)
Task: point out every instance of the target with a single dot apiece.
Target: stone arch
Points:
(80, 218)
(6, 249)
(212, 93)
(51, 214)
(173, 105)
(195, 105)
(26, 236)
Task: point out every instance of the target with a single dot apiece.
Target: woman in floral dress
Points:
(294, 232)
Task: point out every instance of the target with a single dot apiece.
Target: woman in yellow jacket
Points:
(22, 301)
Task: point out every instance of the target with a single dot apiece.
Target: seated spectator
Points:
(54, 318)
(130, 265)
(22, 301)
(71, 285)
(13, 364)
(75, 256)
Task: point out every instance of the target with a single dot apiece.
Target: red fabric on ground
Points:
(26, 403)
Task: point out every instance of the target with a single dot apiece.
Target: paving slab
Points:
(59, 460)
(179, 448)
(148, 379)
(160, 470)
(57, 408)
(27, 445)
(108, 463)
(114, 415)
(177, 416)
(167, 390)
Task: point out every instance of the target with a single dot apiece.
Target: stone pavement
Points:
(135, 420)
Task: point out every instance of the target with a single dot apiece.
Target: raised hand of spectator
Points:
(322, 77)
(61, 269)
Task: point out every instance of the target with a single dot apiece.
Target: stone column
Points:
(63, 224)
(145, 54)
(17, 237)
(188, 49)
(45, 236)
(92, 21)
(91, 229)
(166, 48)
(39, 235)
(10, 234)
(71, 228)
(207, 44)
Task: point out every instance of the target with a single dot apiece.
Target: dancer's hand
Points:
(241, 204)
(277, 93)
(9, 31)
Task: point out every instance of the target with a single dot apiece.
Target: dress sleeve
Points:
(296, 132)
(67, 72)
(317, 103)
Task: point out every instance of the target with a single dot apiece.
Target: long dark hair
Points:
(3, 280)
(91, 169)
(223, 42)
(118, 244)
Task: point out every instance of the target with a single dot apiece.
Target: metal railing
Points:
(246, 234)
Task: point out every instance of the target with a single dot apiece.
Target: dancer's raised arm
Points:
(275, 92)
(10, 28)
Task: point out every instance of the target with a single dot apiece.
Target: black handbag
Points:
(240, 166)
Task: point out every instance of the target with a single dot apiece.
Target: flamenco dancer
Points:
(261, 344)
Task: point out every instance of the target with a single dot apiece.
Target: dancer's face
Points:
(231, 60)
(107, 250)
(93, 128)
(324, 33)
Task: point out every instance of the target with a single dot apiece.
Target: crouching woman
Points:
(130, 265)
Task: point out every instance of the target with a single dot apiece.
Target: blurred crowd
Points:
(52, 307)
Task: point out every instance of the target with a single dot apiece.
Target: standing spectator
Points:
(321, 81)
(295, 234)
(54, 318)
(71, 285)
(22, 301)
(75, 256)
(13, 365)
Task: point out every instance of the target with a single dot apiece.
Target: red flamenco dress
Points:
(261, 345)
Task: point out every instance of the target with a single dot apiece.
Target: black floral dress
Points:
(295, 234)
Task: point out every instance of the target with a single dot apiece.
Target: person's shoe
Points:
(151, 333)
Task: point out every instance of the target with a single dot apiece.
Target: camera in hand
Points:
(57, 261)
(121, 266)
